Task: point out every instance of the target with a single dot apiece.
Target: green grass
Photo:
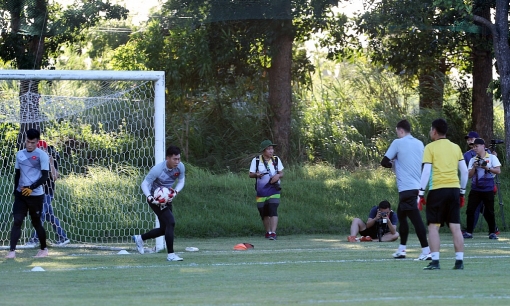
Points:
(295, 269)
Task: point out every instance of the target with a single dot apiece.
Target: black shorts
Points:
(372, 231)
(443, 206)
(268, 208)
(22, 205)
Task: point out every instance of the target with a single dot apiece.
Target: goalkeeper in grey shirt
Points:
(169, 174)
(405, 156)
(31, 171)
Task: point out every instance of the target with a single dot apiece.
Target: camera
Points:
(495, 142)
(382, 225)
(277, 186)
(480, 161)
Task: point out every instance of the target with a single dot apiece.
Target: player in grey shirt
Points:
(31, 171)
(405, 156)
(169, 174)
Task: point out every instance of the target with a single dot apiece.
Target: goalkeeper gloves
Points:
(462, 199)
(171, 196)
(421, 199)
(157, 201)
(26, 191)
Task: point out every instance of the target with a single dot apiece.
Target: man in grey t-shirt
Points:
(405, 156)
(31, 171)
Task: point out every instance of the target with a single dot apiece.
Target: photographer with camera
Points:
(267, 169)
(470, 138)
(381, 225)
(482, 170)
(404, 157)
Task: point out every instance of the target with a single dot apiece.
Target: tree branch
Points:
(486, 23)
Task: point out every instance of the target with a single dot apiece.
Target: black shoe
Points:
(433, 265)
(459, 265)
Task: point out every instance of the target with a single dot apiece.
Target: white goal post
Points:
(107, 129)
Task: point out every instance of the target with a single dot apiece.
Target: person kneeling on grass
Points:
(379, 216)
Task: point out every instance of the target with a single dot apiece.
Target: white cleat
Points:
(173, 257)
(424, 257)
(139, 243)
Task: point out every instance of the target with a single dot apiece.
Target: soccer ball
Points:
(162, 194)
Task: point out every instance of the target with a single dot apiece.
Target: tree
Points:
(499, 31)
(482, 113)
(33, 31)
(413, 39)
(244, 34)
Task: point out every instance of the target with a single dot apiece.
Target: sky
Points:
(138, 9)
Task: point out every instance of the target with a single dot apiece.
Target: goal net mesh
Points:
(102, 133)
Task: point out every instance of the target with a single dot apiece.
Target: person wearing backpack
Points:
(267, 169)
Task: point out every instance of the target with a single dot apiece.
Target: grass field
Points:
(300, 269)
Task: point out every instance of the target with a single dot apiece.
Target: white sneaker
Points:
(42, 253)
(173, 257)
(424, 257)
(139, 243)
(399, 254)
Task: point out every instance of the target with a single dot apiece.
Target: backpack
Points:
(257, 162)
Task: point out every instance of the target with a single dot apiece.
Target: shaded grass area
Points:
(296, 269)
(318, 199)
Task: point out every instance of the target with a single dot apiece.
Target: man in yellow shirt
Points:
(442, 162)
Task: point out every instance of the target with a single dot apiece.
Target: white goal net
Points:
(106, 130)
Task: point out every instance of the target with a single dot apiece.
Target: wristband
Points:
(462, 191)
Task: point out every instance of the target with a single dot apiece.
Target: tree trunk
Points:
(30, 56)
(482, 103)
(431, 87)
(502, 52)
(280, 93)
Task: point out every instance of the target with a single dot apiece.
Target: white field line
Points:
(268, 263)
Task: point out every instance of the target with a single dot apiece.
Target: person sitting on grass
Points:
(379, 216)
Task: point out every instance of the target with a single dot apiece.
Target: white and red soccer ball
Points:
(163, 194)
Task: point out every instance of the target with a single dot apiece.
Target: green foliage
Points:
(25, 21)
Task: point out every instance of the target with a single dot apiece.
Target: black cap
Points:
(479, 141)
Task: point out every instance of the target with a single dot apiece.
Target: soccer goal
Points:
(106, 130)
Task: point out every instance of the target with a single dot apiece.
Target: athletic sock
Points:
(401, 248)
(459, 255)
(435, 255)
(425, 250)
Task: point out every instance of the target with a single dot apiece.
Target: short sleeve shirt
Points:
(30, 165)
(264, 188)
(444, 156)
(373, 213)
(482, 180)
(407, 155)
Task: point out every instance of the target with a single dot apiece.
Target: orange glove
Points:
(421, 199)
(26, 191)
(462, 199)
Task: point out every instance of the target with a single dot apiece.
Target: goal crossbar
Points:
(156, 77)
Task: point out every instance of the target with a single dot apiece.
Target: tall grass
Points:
(106, 207)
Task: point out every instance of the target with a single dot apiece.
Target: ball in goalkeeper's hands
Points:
(162, 195)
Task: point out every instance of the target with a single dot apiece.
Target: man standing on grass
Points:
(404, 156)
(267, 169)
(442, 162)
(165, 174)
(482, 170)
(31, 172)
